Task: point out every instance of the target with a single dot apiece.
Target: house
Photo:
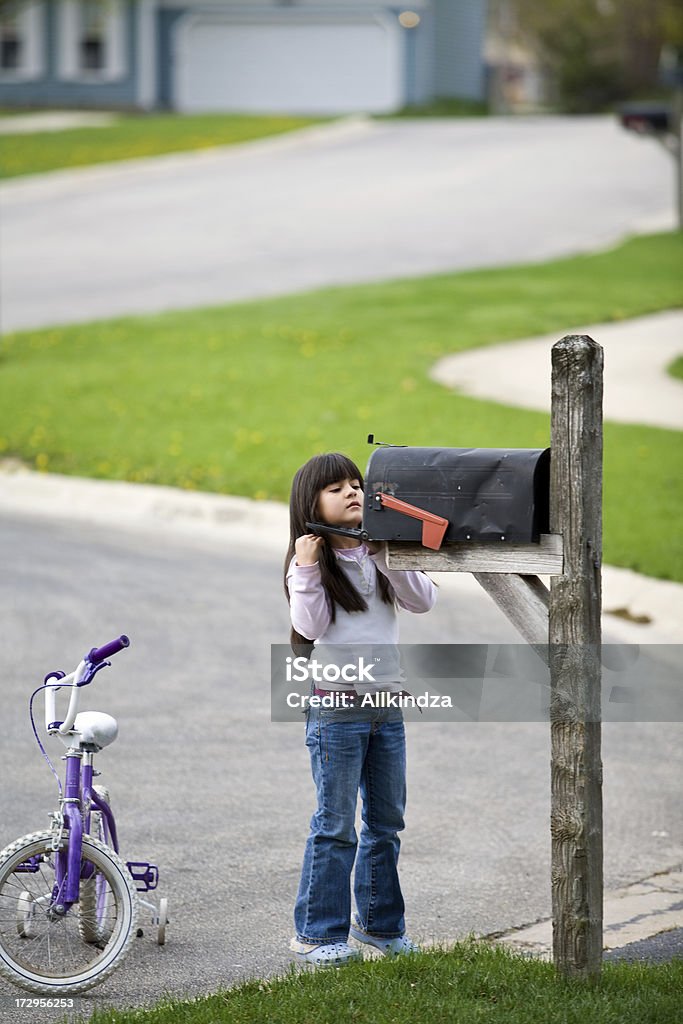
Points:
(293, 56)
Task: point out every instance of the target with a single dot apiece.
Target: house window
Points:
(92, 40)
(21, 40)
(93, 43)
(10, 38)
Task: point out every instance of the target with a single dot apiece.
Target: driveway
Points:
(357, 201)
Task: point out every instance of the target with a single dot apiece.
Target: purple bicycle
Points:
(68, 903)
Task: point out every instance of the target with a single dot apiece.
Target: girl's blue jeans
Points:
(351, 752)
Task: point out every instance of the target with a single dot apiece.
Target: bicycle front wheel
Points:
(49, 953)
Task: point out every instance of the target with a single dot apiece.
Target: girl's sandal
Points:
(400, 946)
(331, 954)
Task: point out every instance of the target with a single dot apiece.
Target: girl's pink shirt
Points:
(309, 604)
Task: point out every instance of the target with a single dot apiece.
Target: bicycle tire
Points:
(94, 920)
(53, 958)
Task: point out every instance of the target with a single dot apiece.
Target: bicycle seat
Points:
(94, 730)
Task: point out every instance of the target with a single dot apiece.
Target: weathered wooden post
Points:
(563, 626)
(574, 634)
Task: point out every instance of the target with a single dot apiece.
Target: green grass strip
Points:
(472, 983)
(234, 399)
(676, 368)
(132, 136)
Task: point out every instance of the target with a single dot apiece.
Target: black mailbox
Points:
(437, 495)
(647, 118)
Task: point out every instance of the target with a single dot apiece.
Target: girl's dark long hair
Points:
(316, 474)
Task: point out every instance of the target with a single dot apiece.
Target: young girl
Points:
(341, 592)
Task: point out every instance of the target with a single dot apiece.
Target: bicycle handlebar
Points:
(76, 679)
(79, 677)
(99, 654)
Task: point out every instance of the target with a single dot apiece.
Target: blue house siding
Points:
(52, 91)
(442, 56)
(459, 64)
(420, 60)
(167, 20)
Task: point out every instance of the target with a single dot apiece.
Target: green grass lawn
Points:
(134, 136)
(234, 399)
(470, 984)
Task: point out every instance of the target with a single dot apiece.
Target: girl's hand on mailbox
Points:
(307, 549)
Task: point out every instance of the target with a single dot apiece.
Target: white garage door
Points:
(325, 66)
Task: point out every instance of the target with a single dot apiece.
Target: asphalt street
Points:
(352, 202)
(219, 797)
(657, 949)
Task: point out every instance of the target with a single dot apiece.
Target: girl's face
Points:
(341, 503)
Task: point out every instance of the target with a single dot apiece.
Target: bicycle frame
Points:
(78, 794)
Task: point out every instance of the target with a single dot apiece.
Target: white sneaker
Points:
(400, 946)
(330, 954)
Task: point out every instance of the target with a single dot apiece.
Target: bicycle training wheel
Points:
(43, 951)
(96, 898)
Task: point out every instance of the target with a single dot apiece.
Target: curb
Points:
(643, 911)
(118, 503)
(637, 609)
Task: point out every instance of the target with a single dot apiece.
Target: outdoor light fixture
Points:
(409, 19)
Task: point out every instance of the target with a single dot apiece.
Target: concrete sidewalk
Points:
(54, 121)
(636, 920)
(638, 388)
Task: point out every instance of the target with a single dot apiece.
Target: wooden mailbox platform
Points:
(563, 623)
